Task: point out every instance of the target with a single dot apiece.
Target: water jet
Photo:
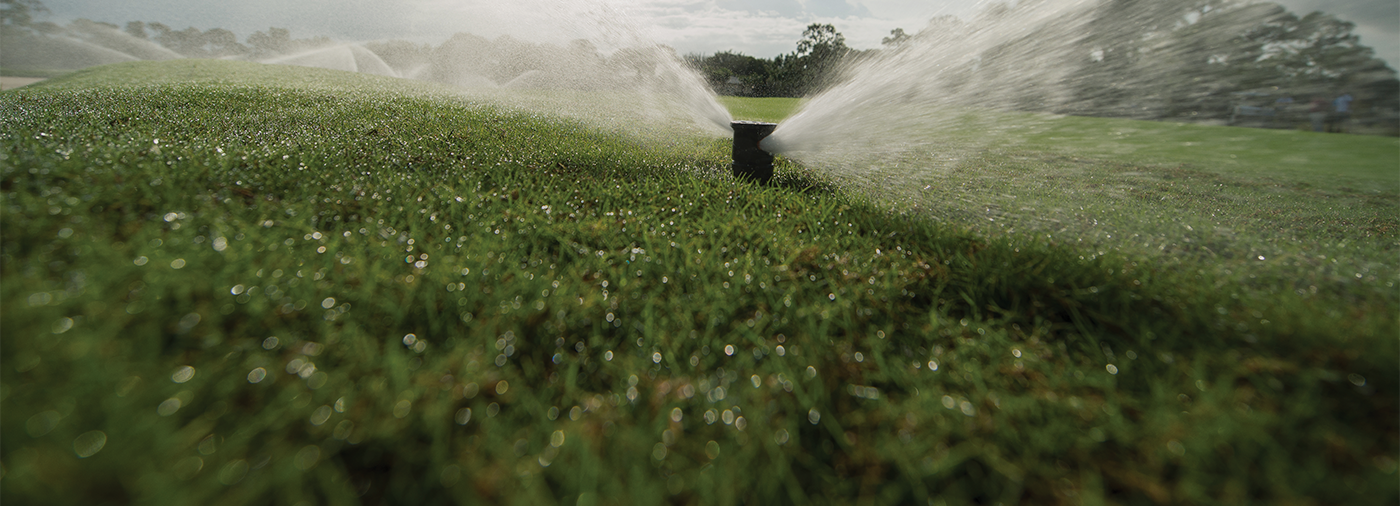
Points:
(750, 160)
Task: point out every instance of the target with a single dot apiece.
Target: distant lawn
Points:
(770, 110)
(230, 283)
(1333, 161)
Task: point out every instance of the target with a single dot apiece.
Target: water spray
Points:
(750, 160)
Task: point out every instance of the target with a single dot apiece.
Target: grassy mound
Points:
(226, 283)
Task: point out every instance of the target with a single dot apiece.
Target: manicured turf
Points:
(226, 283)
(771, 110)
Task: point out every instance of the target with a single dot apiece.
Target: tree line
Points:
(817, 62)
(1149, 59)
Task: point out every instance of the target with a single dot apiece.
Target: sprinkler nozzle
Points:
(750, 160)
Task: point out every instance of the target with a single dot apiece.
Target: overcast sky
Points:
(763, 28)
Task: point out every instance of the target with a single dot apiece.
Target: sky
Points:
(763, 28)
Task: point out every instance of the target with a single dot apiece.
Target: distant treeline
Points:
(1148, 59)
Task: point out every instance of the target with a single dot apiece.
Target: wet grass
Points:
(231, 284)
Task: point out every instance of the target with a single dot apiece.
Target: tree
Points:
(819, 39)
(1193, 59)
(136, 29)
(189, 42)
(817, 61)
(20, 12)
(271, 43)
(220, 42)
(403, 56)
(897, 38)
(752, 72)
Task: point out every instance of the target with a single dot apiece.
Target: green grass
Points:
(13, 72)
(271, 285)
(771, 110)
(1330, 161)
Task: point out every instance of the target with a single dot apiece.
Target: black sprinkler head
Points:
(750, 160)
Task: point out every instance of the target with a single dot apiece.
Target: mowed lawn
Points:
(229, 283)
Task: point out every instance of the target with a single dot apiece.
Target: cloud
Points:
(762, 28)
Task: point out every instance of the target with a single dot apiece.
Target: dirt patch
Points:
(7, 82)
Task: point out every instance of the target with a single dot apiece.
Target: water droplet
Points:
(178, 263)
(308, 457)
(781, 437)
(557, 439)
(1112, 369)
(141, 260)
(89, 443)
(1356, 379)
(755, 380)
(464, 415)
(501, 387)
(967, 408)
(188, 467)
(189, 321)
(269, 343)
(676, 415)
(321, 416)
(183, 374)
(932, 365)
(1016, 353)
(168, 407)
(741, 423)
(450, 475)
(656, 358)
(729, 349)
(233, 472)
(727, 417)
(328, 303)
(42, 423)
(608, 355)
(62, 325)
(814, 416)
(949, 402)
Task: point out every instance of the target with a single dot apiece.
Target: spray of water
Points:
(582, 59)
(592, 62)
(940, 96)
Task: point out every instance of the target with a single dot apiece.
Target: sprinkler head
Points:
(750, 160)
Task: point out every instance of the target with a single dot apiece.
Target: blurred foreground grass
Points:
(226, 283)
